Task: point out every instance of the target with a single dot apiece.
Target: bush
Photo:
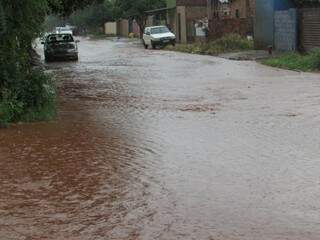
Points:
(228, 43)
(32, 99)
(25, 94)
(296, 61)
(233, 42)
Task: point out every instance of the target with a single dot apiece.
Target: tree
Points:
(92, 17)
(26, 93)
(67, 7)
(136, 9)
(3, 21)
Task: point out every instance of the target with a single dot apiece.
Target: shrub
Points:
(233, 42)
(32, 99)
(315, 56)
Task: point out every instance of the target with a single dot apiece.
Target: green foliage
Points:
(92, 17)
(136, 9)
(26, 94)
(3, 22)
(228, 43)
(67, 7)
(296, 61)
(16, 75)
(32, 99)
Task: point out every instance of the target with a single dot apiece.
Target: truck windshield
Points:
(159, 30)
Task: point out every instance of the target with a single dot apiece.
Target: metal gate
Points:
(310, 28)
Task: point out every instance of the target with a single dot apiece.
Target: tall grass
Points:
(228, 43)
(295, 61)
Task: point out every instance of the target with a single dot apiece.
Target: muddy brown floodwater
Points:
(163, 145)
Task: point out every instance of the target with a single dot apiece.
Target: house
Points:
(238, 20)
(182, 17)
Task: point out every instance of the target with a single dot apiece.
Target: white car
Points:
(158, 36)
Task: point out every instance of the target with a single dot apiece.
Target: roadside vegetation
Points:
(228, 43)
(26, 92)
(90, 20)
(295, 61)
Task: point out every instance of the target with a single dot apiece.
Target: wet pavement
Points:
(151, 144)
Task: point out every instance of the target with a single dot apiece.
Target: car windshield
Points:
(60, 38)
(158, 30)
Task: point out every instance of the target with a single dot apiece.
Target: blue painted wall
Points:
(264, 24)
(283, 5)
(264, 20)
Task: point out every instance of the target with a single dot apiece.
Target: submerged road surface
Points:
(163, 145)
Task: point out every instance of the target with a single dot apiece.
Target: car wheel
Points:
(173, 44)
(146, 46)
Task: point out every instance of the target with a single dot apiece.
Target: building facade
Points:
(184, 15)
(239, 20)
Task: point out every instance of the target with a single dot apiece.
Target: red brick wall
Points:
(220, 27)
(246, 8)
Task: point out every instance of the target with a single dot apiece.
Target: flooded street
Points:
(151, 144)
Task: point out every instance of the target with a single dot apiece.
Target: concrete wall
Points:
(264, 24)
(110, 28)
(286, 30)
(123, 28)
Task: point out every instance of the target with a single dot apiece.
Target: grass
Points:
(295, 61)
(228, 43)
